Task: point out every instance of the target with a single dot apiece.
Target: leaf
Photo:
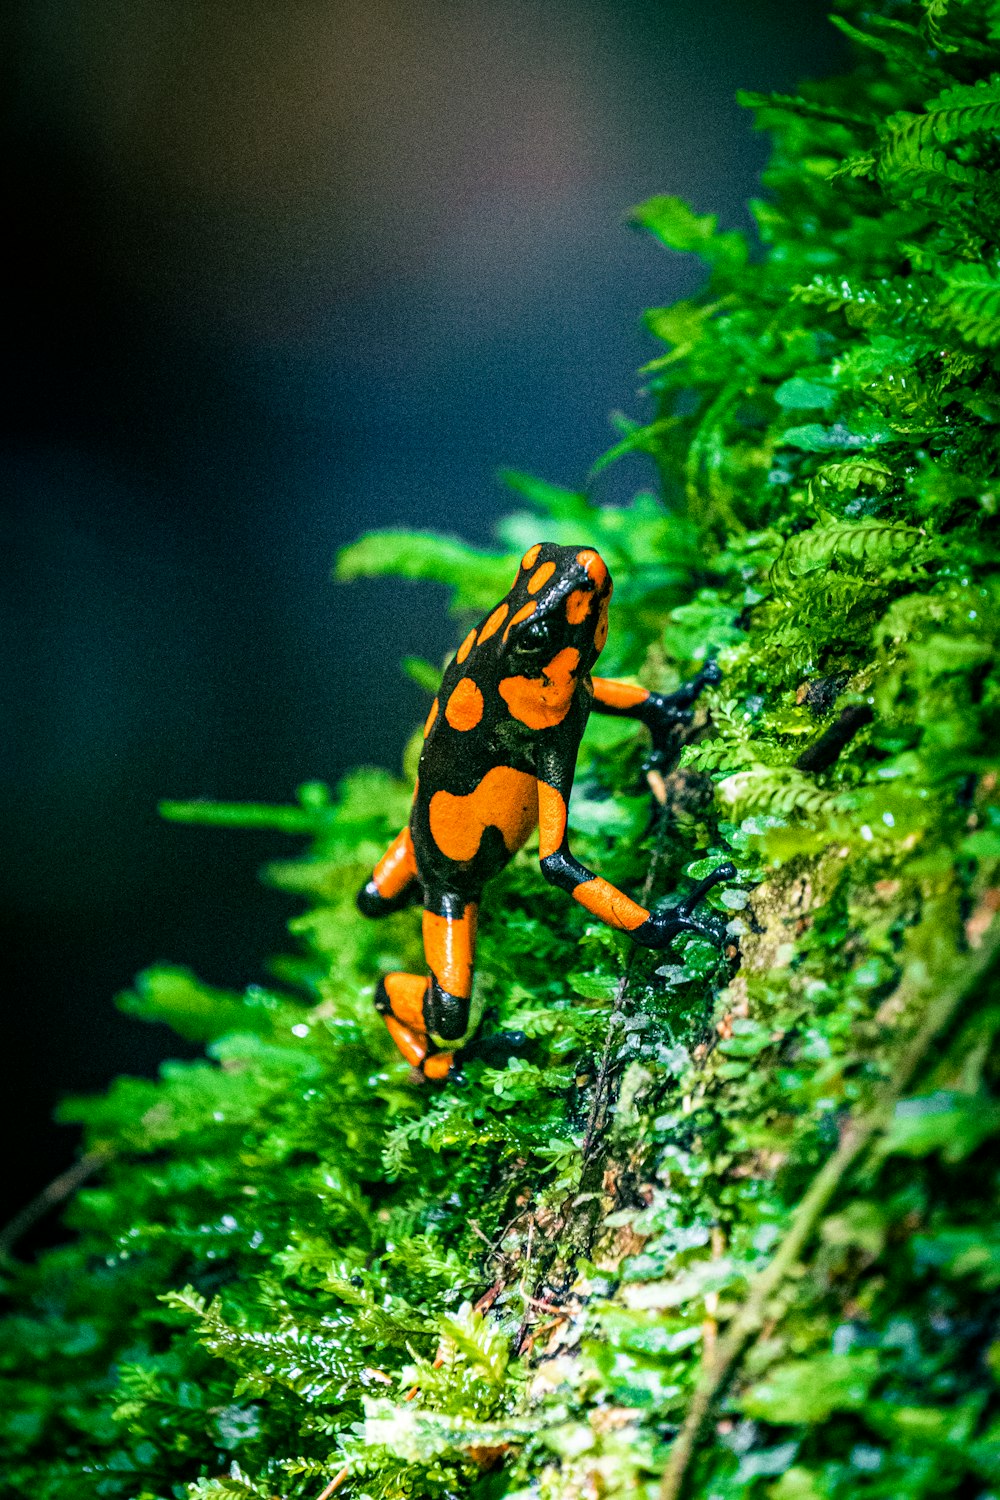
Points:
(952, 1123)
(925, 1426)
(553, 500)
(801, 391)
(594, 986)
(814, 438)
(808, 1390)
(639, 439)
(956, 114)
(749, 1039)
(240, 815)
(678, 227)
(861, 1224)
(423, 673)
(972, 1252)
(477, 578)
(766, 1462)
(194, 1010)
(863, 545)
(795, 104)
(852, 474)
(906, 54)
(974, 302)
(797, 1483)
(481, 1342)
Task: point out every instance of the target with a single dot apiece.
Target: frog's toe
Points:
(440, 1066)
(721, 873)
(661, 927)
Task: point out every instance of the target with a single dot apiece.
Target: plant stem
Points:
(57, 1191)
(335, 1483)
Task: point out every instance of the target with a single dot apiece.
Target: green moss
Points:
(296, 1262)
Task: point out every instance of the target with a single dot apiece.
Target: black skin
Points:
(500, 752)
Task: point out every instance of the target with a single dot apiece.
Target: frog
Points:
(498, 760)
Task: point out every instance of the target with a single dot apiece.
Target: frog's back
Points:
(519, 682)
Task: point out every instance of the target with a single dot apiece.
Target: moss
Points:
(733, 1221)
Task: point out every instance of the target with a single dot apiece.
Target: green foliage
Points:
(298, 1268)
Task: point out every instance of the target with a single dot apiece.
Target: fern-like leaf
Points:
(477, 578)
(806, 109)
(974, 303)
(781, 791)
(678, 227)
(955, 115)
(927, 171)
(868, 304)
(853, 474)
(859, 546)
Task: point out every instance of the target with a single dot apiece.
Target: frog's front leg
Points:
(664, 714)
(599, 896)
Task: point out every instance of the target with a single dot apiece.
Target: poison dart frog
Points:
(498, 758)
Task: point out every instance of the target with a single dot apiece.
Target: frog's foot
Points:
(495, 1051)
(660, 928)
(667, 715)
(399, 1000)
(689, 692)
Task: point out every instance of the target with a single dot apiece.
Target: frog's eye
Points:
(537, 634)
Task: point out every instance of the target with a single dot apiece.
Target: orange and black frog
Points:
(500, 747)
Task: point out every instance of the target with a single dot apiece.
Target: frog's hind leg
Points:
(393, 884)
(424, 1014)
(449, 927)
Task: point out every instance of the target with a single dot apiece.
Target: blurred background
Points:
(285, 270)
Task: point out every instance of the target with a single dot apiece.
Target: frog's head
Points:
(557, 606)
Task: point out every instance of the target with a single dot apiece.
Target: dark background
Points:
(285, 270)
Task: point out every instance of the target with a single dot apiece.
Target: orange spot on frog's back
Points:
(494, 622)
(531, 556)
(464, 708)
(540, 577)
(504, 799)
(522, 614)
(594, 565)
(601, 630)
(430, 718)
(465, 647)
(578, 605)
(543, 701)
